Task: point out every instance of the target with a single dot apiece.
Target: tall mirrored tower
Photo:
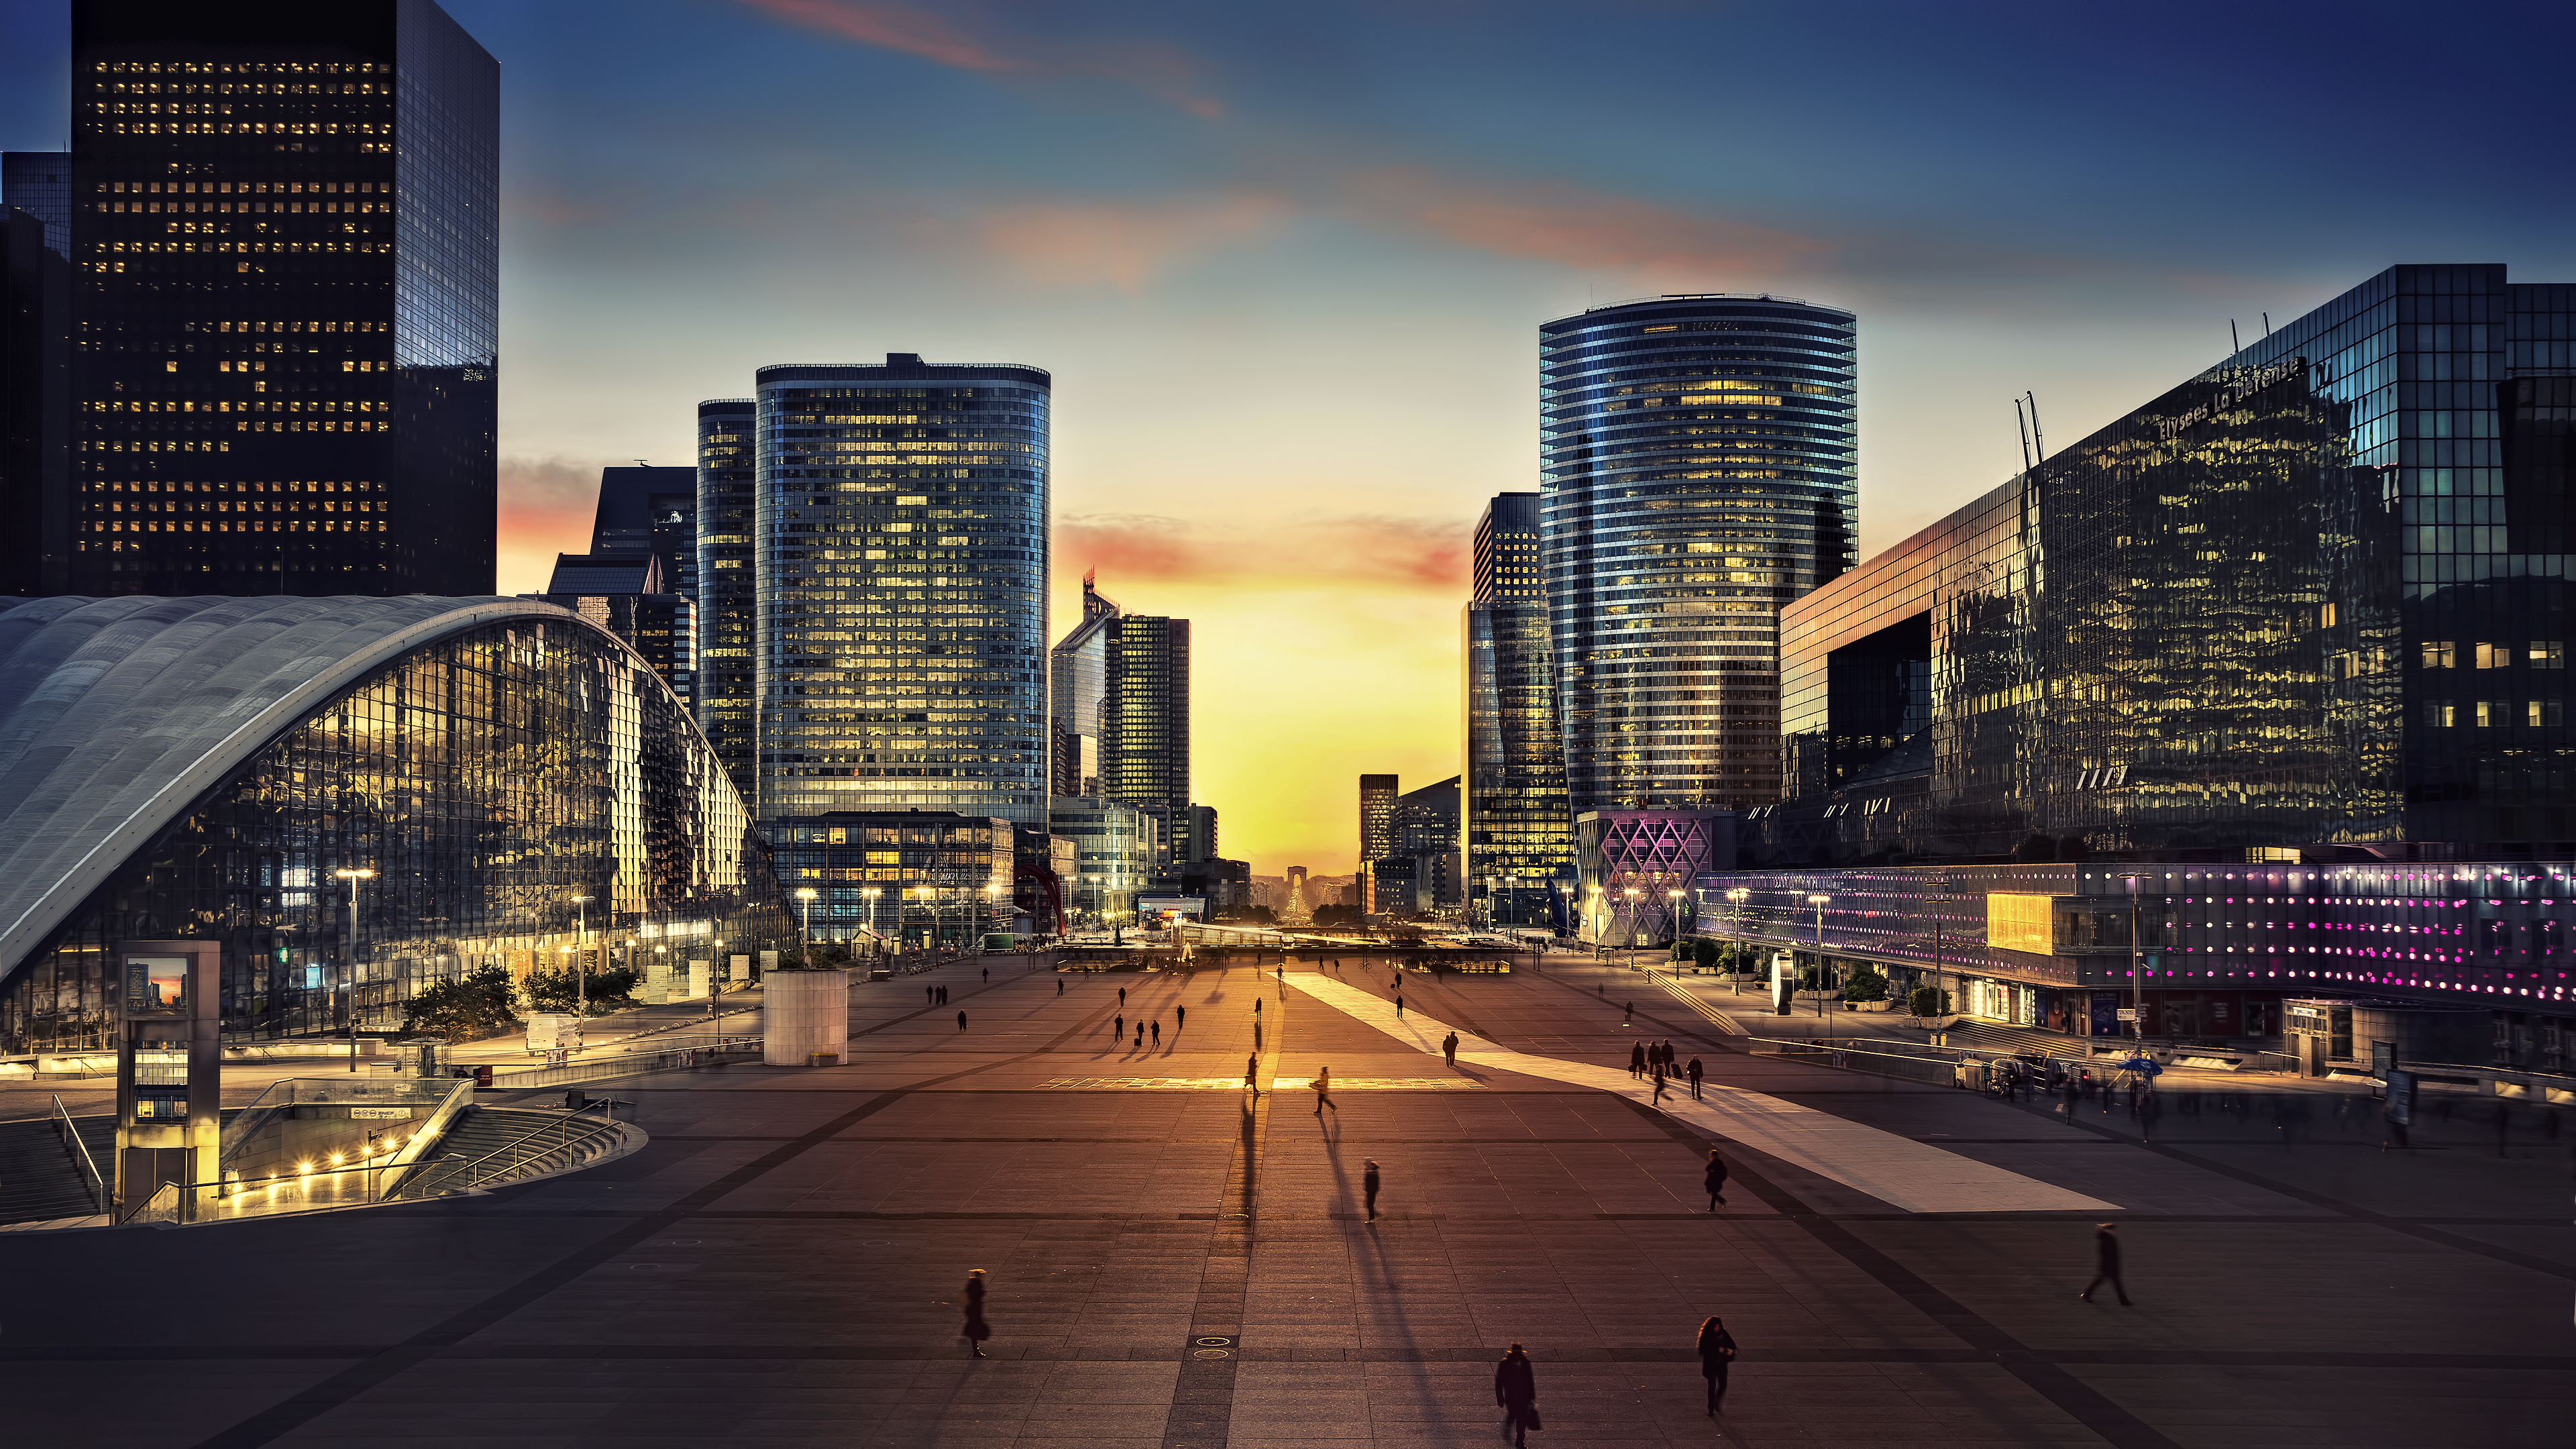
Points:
(1699, 471)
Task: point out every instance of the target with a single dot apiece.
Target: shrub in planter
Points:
(1865, 985)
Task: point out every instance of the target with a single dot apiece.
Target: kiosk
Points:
(169, 1073)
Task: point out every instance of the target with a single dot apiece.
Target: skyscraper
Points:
(729, 586)
(644, 509)
(35, 408)
(1699, 470)
(40, 183)
(902, 558)
(1377, 828)
(1077, 681)
(285, 238)
(1516, 829)
(630, 596)
(1145, 717)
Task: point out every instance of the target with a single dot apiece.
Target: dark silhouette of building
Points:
(285, 243)
(35, 408)
(644, 509)
(728, 586)
(1077, 680)
(628, 595)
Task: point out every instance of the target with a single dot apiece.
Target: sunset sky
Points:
(1286, 263)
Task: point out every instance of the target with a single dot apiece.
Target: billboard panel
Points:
(2017, 922)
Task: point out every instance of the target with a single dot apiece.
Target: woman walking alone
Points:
(1716, 1352)
(977, 1330)
(1516, 1389)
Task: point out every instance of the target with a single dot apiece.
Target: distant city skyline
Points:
(1213, 225)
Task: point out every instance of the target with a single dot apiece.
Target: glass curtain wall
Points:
(487, 780)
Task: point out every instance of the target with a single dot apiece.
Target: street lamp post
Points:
(805, 950)
(1819, 903)
(713, 967)
(1675, 897)
(1736, 896)
(2137, 981)
(1632, 918)
(581, 955)
(870, 896)
(349, 956)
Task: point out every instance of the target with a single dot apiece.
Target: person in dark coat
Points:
(977, 1330)
(1661, 1079)
(1715, 1179)
(1516, 1389)
(1637, 1060)
(961, 1021)
(1694, 1076)
(1716, 1352)
(1251, 1074)
(2106, 1264)
(1180, 1017)
(1368, 1182)
(1449, 1048)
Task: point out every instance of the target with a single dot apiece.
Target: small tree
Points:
(606, 990)
(1928, 1001)
(469, 1008)
(1704, 953)
(1866, 984)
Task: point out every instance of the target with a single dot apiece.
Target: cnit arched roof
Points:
(116, 715)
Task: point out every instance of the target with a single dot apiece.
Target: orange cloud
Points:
(1157, 70)
(1380, 554)
(547, 507)
(1556, 222)
(1067, 243)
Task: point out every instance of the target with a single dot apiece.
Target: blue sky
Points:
(1286, 263)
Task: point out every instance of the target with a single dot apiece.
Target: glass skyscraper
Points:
(1516, 830)
(1145, 719)
(1077, 683)
(901, 550)
(285, 235)
(728, 584)
(1699, 469)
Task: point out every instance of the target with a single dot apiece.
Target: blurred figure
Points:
(1516, 1389)
(2106, 1264)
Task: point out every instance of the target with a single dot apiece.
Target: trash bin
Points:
(483, 1076)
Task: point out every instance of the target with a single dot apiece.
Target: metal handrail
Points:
(80, 1152)
(563, 1142)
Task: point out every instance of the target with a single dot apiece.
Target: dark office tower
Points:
(41, 182)
(1699, 472)
(1198, 838)
(729, 586)
(1077, 680)
(1517, 831)
(1507, 555)
(1145, 717)
(644, 509)
(286, 254)
(902, 559)
(1377, 828)
(630, 596)
(35, 408)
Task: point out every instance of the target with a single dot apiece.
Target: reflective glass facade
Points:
(487, 778)
(902, 552)
(728, 584)
(2314, 598)
(1077, 687)
(1115, 848)
(1514, 823)
(285, 234)
(911, 876)
(2221, 945)
(1699, 467)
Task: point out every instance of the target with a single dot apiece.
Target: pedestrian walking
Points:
(1180, 1018)
(1715, 1180)
(1516, 1389)
(1694, 1076)
(1716, 1354)
(977, 1330)
(1118, 1027)
(1140, 1035)
(961, 1021)
(1158, 1033)
(1399, 1005)
(1251, 1074)
(1636, 1060)
(988, 975)
(930, 994)
(1059, 986)
(1122, 996)
(1449, 1048)
(1256, 1036)
(1323, 1085)
(1368, 1183)
(1629, 1015)
(1256, 1008)
(2106, 1264)
(1658, 1099)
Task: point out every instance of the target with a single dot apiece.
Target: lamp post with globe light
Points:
(1819, 903)
(349, 955)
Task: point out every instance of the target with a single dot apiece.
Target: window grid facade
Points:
(1699, 471)
(729, 585)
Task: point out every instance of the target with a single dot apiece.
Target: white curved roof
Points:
(117, 714)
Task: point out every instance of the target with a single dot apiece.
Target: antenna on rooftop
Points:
(2267, 326)
(2233, 346)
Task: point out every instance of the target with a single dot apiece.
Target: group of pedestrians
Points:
(1516, 1382)
(937, 995)
(1655, 1059)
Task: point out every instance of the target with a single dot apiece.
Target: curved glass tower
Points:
(901, 527)
(1699, 466)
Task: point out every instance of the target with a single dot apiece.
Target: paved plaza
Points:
(1177, 1264)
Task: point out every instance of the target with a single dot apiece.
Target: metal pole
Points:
(2137, 982)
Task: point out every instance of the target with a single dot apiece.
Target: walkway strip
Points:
(1911, 1175)
(1720, 1019)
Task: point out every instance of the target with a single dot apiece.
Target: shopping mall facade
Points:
(2287, 644)
(357, 797)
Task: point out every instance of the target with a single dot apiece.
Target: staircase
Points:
(1986, 1037)
(39, 1178)
(498, 1145)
